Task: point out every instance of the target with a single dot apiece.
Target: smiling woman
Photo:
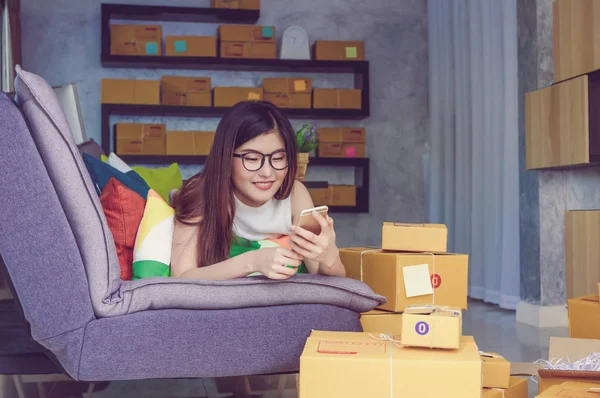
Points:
(235, 218)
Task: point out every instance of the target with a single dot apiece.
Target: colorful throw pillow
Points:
(152, 251)
(102, 172)
(123, 209)
(241, 245)
(161, 179)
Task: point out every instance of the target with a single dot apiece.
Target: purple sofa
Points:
(62, 265)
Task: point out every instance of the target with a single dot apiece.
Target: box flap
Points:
(572, 349)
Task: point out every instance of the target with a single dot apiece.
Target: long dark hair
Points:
(206, 200)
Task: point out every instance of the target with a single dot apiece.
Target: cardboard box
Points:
(229, 96)
(337, 98)
(377, 321)
(331, 50)
(247, 41)
(290, 100)
(342, 142)
(414, 237)
(431, 327)
(334, 195)
(385, 273)
(140, 139)
(496, 370)
(573, 390)
(517, 388)
(287, 85)
(186, 91)
(342, 134)
(338, 364)
(135, 39)
(189, 142)
(584, 317)
(239, 4)
(598, 288)
(574, 350)
(341, 150)
(191, 46)
(582, 252)
(126, 91)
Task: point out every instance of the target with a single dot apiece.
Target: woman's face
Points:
(255, 187)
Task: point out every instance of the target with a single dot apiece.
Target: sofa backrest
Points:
(74, 187)
(36, 242)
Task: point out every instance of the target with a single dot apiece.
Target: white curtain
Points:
(474, 166)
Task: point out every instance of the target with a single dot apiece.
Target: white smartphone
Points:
(308, 222)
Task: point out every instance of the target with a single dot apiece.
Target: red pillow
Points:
(124, 210)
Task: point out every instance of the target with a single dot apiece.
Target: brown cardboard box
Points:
(125, 91)
(584, 317)
(334, 195)
(189, 142)
(341, 365)
(341, 150)
(290, 100)
(517, 388)
(496, 371)
(342, 134)
(239, 4)
(247, 41)
(287, 85)
(185, 91)
(573, 389)
(377, 321)
(414, 237)
(141, 139)
(582, 252)
(330, 50)
(342, 142)
(385, 273)
(573, 350)
(337, 98)
(598, 288)
(136, 39)
(191, 46)
(431, 327)
(229, 96)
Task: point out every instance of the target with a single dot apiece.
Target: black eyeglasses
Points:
(254, 161)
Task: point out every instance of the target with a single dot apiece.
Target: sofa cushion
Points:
(102, 172)
(123, 210)
(161, 179)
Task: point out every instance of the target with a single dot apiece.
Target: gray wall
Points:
(545, 194)
(61, 42)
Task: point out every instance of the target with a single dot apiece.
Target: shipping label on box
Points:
(517, 388)
(385, 273)
(496, 370)
(331, 50)
(573, 390)
(342, 135)
(584, 317)
(140, 139)
(135, 39)
(287, 85)
(338, 364)
(337, 98)
(377, 321)
(414, 237)
(290, 100)
(191, 46)
(229, 96)
(431, 326)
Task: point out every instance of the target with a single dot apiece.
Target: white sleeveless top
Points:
(271, 220)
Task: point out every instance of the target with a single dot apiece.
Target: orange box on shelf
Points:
(290, 100)
(334, 195)
(186, 91)
(236, 4)
(127, 91)
(342, 142)
(189, 142)
(337, 98)
(332, 50)
(191, 46)
(229, 96)
(140, 139)
(135, 39)
(289, 92)
(247, 41)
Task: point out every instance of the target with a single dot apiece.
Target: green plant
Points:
(307, 137)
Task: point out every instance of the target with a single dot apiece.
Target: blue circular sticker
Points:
(422, 328)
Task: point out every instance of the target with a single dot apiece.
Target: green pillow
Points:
(162, 180)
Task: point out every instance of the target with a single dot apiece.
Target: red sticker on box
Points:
(436, 281)
(351, 152)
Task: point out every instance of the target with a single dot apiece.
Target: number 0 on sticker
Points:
(422, 328)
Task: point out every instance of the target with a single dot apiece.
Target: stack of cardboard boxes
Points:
(412, 345)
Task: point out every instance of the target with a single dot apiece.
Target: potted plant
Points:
(308, 140)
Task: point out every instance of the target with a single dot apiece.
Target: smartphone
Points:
(308, 222)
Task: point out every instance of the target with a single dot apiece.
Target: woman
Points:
(247, 190)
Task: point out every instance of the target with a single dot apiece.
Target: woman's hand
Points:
(273, 262)
(320, 248)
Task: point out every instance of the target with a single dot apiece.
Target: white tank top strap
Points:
(271, 220)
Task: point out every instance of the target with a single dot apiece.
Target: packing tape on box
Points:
(387, 337)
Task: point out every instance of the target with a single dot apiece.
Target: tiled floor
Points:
(494, 330)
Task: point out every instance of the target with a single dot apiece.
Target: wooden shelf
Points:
(179, 14)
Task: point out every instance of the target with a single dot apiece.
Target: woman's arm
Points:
(301, 200)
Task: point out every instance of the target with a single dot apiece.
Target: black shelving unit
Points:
(360, 70)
